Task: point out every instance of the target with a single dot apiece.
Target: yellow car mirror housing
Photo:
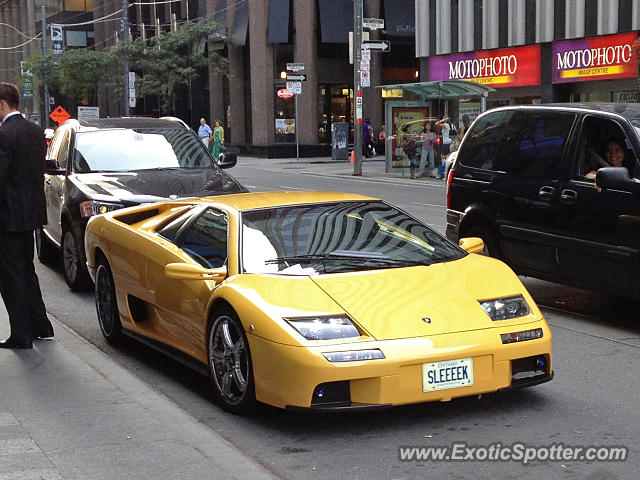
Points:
(472, 244)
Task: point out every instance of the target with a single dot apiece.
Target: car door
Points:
(600, 238)
(54, 183)
(526, 187)
(181, 305)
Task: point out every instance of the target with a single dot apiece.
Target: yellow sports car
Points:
(315, 300)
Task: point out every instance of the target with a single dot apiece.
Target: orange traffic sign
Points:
(59, 115)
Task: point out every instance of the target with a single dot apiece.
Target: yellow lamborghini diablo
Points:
(315, 300)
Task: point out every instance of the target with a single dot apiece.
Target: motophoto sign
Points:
(505, 67)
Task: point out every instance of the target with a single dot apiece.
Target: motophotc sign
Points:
(596, 58)
(504, 67)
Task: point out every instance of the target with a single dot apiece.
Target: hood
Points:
(394, 303)
(153, 185)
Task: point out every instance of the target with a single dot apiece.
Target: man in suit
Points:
(22, 210)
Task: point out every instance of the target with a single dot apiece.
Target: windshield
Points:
(116, 150)
(338, 237)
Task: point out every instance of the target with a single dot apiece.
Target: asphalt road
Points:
(591, 402)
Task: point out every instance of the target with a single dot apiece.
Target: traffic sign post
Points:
(301, 77)
(294, 86)
(381, 45)
(59, 115)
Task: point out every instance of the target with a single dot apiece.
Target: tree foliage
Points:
(163, 63)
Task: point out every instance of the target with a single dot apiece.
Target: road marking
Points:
(429, 204)
(6, 420)
(39, 474)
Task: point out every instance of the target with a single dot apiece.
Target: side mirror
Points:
(187, 271)
(51, 167)
(472, 244)
(617, 178)
(227, 160)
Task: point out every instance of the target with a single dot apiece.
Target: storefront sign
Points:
(595, 58)
(505, 67)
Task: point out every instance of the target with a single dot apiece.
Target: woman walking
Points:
(218, 139)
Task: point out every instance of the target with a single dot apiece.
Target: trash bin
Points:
(339, 140)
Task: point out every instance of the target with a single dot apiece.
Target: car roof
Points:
(626, 110)
(125, 122)
(250, 201)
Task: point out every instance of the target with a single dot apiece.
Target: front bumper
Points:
(287, 376)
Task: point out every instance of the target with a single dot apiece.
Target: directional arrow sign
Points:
(382, 45)
(301, 77)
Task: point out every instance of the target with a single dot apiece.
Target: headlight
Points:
(521, 336)
(91, 207)
(324, 328)
(354, 355)
(506, 308)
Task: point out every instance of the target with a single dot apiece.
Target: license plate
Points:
(447, 374)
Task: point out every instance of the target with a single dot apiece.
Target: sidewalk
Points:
(67, 411)
(373, 169)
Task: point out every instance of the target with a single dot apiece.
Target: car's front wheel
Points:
(106, 304)
(73, 262)
(229, 362)
(46, 251)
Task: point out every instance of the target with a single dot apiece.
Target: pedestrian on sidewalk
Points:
(367, 139)
(22, 210)
(427, 159)
(218, 139)
(205, 133)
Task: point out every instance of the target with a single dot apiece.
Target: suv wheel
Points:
(73, 261)
(491, 248)
(46, 251)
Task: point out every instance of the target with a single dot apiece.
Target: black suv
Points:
(95, 166)
(523, 182)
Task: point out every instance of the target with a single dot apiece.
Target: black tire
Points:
(106, 304)
(229, 363)
(74, 266)
(45, 250)
(491, 247)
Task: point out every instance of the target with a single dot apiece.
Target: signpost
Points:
(59, 115)
(382, 45)
(294, 86)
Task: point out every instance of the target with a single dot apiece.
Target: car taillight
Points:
(449, 177)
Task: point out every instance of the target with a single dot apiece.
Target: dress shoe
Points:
(46, 333)
(11, 343)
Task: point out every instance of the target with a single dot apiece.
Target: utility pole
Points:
(44, 73)
(125, 39)
(357, 89)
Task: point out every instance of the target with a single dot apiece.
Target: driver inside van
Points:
(615, 155)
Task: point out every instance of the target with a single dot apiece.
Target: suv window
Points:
(481, 142)
(598, 137)
(206, 240)
(532, 144)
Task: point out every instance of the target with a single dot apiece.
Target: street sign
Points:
(382, 45)
(365, 79)
(56, 41)
(373, 23)
(301, 77)
(86, 113)
(365, 55)
(295, 67)
(283, 93)
(59, 115)
(294, 87)
(132, 102)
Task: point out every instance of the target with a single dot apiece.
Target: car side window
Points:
(533, 144)
(206, 239)
(598, 138)
(481, 141)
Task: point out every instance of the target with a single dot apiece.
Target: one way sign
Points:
(382, 45)
(300, 77)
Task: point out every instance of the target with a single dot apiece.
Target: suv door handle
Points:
(568, 196)
(545, 193)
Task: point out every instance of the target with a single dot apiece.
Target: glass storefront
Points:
(285, 123)
(335, 104)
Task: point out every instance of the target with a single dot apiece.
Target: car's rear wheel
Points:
(46, 251)
(106, 303)
(491, 248)
(229, 363)
(73, 262)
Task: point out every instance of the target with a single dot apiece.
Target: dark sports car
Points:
(97, 166)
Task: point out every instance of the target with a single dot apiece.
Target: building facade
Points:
(531, 51)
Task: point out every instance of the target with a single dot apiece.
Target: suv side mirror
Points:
(227, 160)
(617, 178)
(51, 167)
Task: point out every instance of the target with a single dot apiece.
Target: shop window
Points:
(335, 104)
(285, 116)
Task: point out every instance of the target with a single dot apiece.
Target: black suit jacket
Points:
(22, 164)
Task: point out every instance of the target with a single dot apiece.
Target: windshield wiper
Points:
(343, 257)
